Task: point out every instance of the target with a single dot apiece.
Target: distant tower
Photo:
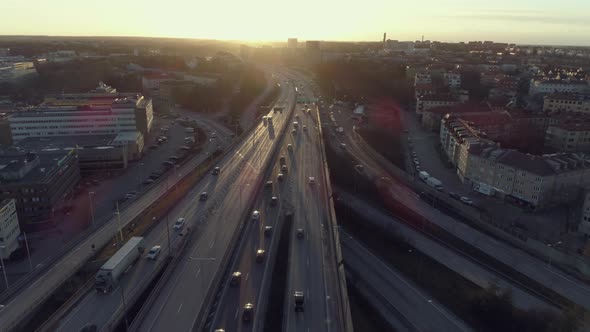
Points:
(384, 38)
(422, 38)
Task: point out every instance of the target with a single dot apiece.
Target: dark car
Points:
(236, 278)
(260, 253)
(454, 195)
(216, 171)
(273, 201)
(248, 312)
(267, 231)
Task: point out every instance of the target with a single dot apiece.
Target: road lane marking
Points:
(180, 307)
(237, 312)
(307, 261)
(212, 243)
(247, 274)
(197, 274)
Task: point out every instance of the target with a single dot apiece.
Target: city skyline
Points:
(263, 20)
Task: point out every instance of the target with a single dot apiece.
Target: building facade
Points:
(584, 226)
(452, 80)
(566, 102)
(39, 183)
(556, 85)
(9, 228)
(568, 137)
(424, 103)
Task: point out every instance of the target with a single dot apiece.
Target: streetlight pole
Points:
(90, 194)
(3, 267)
(119, 222)
(28, 251)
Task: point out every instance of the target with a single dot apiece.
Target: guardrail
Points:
(334, 239)
(199, 322)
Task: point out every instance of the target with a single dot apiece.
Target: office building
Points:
(40, 183)
(9, 228)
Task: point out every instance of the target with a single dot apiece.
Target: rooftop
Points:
(29, 168)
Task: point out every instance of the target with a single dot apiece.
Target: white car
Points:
(179, 224)
(154, 252)
(311, 180)
(256, 215)
(466, 200)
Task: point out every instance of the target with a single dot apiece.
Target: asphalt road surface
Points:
(180, 300)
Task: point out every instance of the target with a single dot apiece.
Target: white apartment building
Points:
(9, 228)
(452, 80)
(559, 86)
(566, 102)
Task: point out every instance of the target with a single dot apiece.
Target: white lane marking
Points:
(307, 261)
(197, 274)
(180, 307)
(212, 243)
(237, 312)
(247, 274)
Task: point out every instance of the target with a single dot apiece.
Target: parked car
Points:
(454, 195)
(466, 200)
(179, 224)
(154, 252)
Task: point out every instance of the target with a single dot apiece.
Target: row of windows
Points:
(131, 124)
(111, 119)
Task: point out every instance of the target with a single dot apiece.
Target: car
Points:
(409, 139)
(311, 180)
(260, 253)
(300, 233)
(267, 231)
(153, 147)
(273, 201)
(290, 147)
(418, 168)
(236, 278)
(164, 138)
(131, 194)
(148, 181)
(294, 131)
(304, 127)
(359, 167)
(203, 197)
(280, 177)
(256, 215)
(416, 161)
(268, 184)
(173, 158)
(216, 171)
(185, 148)
(154, 252)
(282, 160)
(299, 301)
(248, 312)
(284, 168)
(454, 195)
(159, 141)
(414, 154)
(154, 176)
(466, 200)
(168, 163)
(343, 146)
(179, 224)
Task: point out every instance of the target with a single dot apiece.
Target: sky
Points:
(563, 22)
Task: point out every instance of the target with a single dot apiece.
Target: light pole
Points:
(3, 267)
(550, 254)
(118, 214)
(28, 251)
(90, 195)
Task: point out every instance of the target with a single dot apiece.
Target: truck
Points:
(434, 183)
(423, 175)
(110, 273)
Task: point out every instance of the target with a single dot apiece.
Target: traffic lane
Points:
(164, 311)
(419, 308)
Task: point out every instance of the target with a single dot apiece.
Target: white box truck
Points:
(434, 183)
(109, 274)
(423, 176)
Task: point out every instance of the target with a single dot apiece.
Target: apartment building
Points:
(38, 182)
(452, 80)
(422, 78)
(9, 228)
(426, 102)
(557, 85)
(569, 136)
(566, 102)
(534, 181)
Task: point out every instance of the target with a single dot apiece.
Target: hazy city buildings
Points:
(9, 228)
(566, 102)
(557, 85)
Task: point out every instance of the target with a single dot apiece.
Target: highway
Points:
(532, 267)
(180, 300)
(417, 308)
(50, 279)
(308, 270)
